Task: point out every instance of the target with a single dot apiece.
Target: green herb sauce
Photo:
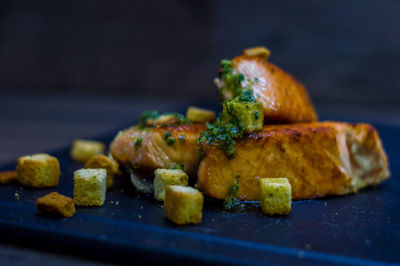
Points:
(232, 81)
(223, 134)
(201, 154)
(177, 166)
(169, 139)
(181, 138)
(138, 143)
(231, 201)
(146, 115)
(240, 114)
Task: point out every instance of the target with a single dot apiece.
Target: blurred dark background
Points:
(344, 51)
(79, 69)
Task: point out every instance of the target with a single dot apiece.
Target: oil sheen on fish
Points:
(285, 100)
(150, 148)
(319, 159)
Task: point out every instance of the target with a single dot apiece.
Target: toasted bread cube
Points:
(163, 119)
(259, 51)
(102, 161)
(183, 205)
(276, 196)
(251, 114)
(199, 115)
(116, 169)
(166, 177)
(38, 170)
(57, 204)
(7, 177)
(90, 187)
(83, 150)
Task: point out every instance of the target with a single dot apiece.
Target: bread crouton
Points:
(117, 171)
(38, 170)
(199, 115)
(165, 177)
(250, 114)
(7, 177)
(259, 51)
(83, 150)
(102, 161)
(90, 187)
(57, 204)
(276, 196)
(183, 205)
(163, 119)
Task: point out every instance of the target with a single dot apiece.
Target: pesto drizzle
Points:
(223, 134)
(177, 166)
(231, 201)
(169, 139)
(228, 127)
(232, 81)
(138, 143)
(154, 114)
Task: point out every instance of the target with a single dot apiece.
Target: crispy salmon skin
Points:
(158, 147)
(319, 159)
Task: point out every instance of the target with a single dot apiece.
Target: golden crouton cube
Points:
(90, 187)
(183, 205)
(259, 51)
(199, 115)
(57, 204)
(250, 114)
(8, 177)
(276, 196)
(117, 171)
(102, 161)
(38, 170)
(166, 177)
(163, 119)
(83, 150)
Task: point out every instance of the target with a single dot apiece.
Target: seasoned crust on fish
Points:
(319, 159)
(154, 150)
(285, 100)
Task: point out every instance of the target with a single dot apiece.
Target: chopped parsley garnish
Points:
(240, 114)
(180, 117)
(201, 154)
(146, 115)
(223, 134)
(168, 137)
(246, 96)
(181, 138)
(177, 166)
(232, 82)
(138, 143)
(176, 118)
(231, 201)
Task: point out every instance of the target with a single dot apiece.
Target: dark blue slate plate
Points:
(356, 229)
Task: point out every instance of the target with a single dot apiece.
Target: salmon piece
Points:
(159, 147)
(319, 159)
(285, 100)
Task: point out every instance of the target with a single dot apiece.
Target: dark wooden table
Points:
(42, 123)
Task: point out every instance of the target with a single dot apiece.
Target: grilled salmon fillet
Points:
(285, 100)
(158, 147)
(319, 159)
